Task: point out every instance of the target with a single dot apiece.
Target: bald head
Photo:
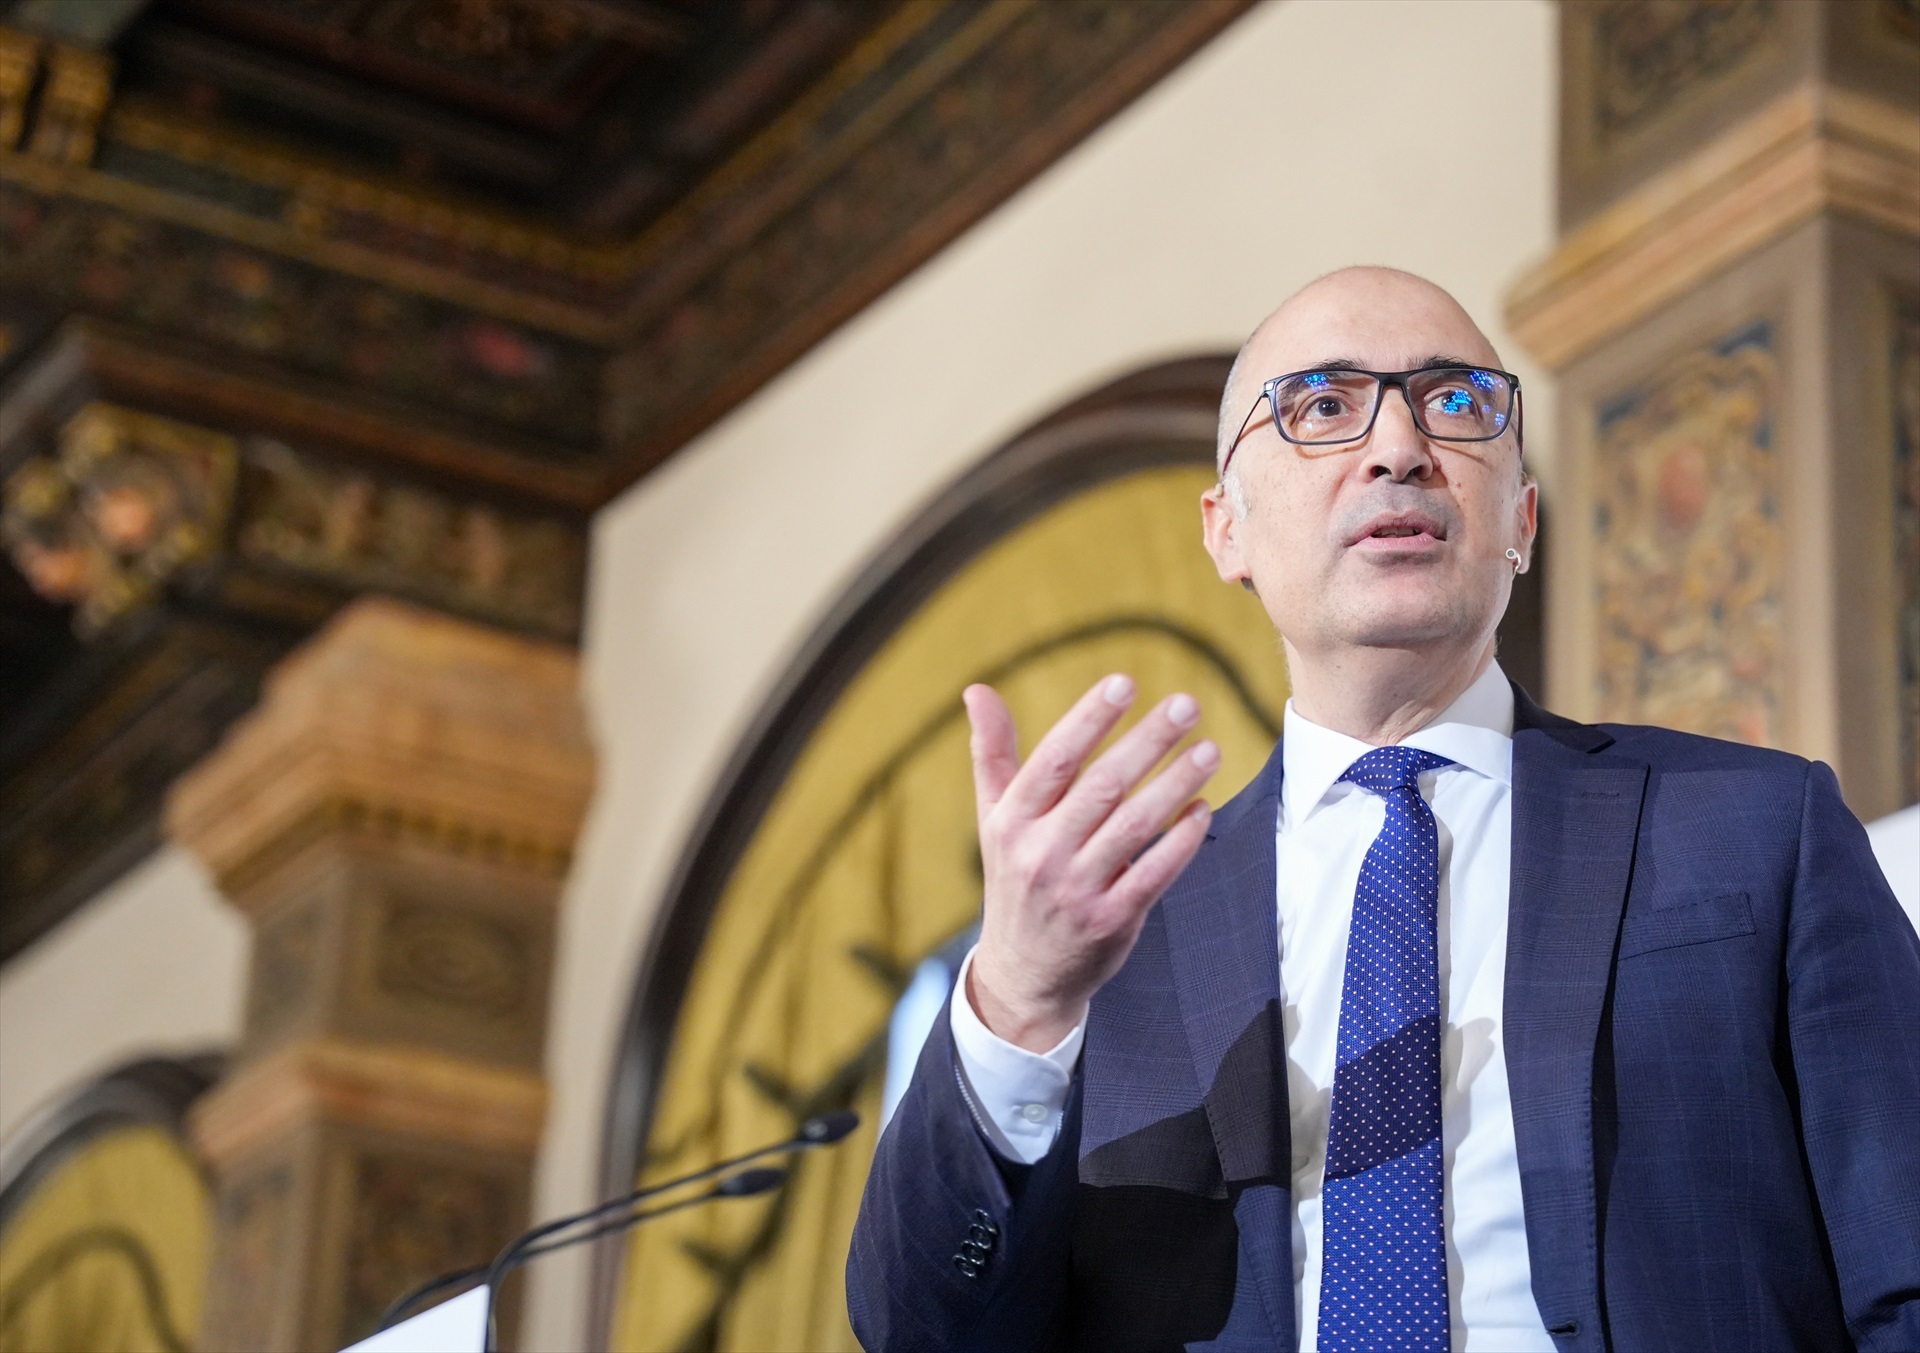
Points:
(1340, 318)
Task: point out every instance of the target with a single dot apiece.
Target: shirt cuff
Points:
(1017, 1096)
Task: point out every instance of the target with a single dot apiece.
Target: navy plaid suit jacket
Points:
(1712, 1031)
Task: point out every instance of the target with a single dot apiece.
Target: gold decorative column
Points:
(1734, 314)
(395, 820)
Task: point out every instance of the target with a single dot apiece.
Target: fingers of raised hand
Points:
(1150, 875)
(1058, 756)
(996, 754)
(1100, 792)
(1133, 823)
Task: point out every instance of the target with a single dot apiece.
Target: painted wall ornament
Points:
(1650, 51)
(1687, 577)
(128, 501)
(376, 535)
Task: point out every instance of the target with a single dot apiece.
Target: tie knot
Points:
(1388, 768)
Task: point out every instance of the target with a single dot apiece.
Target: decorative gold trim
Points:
(800, 123)
(364, 818)
(129, 500)
(382, 1086)
(1814, 149)
(74, 95)
(19, 68)
(355, 260)
(319, 186)
(309, 412)
(319, 189)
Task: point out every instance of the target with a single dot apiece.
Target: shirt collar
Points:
(1475, 731)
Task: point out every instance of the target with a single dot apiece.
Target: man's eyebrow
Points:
(1437, 359)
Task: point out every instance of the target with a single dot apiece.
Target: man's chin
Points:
(1402, 621)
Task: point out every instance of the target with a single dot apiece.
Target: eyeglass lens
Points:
(1448, 403)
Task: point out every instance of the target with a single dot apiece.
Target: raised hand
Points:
(1065, 895)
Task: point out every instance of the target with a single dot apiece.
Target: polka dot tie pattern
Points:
(1384, 1280)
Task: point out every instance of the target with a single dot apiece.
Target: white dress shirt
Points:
(1322, 836)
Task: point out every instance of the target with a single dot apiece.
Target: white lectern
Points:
(457, 1326)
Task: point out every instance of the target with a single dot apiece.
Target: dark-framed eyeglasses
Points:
(1327, 406)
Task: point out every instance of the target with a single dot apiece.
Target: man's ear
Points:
(1526, 521)
(1217, 523)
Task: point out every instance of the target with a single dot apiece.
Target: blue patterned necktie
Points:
(1384, 1276)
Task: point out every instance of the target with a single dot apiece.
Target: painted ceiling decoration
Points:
(426, 282)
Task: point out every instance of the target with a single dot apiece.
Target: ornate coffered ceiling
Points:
(303, 298)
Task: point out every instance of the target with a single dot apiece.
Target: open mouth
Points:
(1400, 532)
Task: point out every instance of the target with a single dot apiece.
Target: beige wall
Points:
(155, 964)
(1285, 149)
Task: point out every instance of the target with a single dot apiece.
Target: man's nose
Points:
(1396, 449)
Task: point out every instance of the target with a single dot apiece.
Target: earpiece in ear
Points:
(1513, 557)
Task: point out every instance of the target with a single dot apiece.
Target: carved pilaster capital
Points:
(412, 1092)
(403, 722)
(1815, 149)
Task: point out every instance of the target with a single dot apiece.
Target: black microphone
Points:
(743, 1185)
(821, 1130)
(824, 1130)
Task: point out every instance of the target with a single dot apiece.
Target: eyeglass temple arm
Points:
(1234, 445)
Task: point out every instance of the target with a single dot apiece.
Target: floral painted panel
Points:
(1688, 575)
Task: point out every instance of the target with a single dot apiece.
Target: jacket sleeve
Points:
(1853, 1025)
(956, 1248)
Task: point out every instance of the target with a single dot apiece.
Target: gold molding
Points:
(318, 188)
(310, 411)
(387, 1087)
(1816, 149)
(277, 237)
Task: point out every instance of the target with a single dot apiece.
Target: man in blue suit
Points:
(1463, 1025)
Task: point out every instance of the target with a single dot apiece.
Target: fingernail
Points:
(1206, 756)
(1118, 690)
(1202, 810)
(1182, 710)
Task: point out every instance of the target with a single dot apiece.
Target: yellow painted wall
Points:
(110, 1252)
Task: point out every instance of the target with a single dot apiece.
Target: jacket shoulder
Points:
(1669, 750)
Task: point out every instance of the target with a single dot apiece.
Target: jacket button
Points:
(970, 1267)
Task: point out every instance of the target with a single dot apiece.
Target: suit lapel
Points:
(1576, 817)
(1223, 944)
